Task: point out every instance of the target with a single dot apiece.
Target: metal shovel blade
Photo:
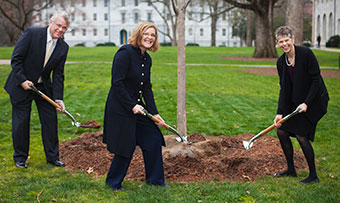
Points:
(247, 144)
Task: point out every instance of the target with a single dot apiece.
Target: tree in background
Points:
(168, 13)
(215, 10)
(250, 28)
(294, 18)
(263, 9)
(238, 21)
(17, 15)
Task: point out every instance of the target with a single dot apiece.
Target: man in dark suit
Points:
(38, 52)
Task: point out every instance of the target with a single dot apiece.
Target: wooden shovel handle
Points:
(44, 96)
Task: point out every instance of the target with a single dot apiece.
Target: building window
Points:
(149, 3)
(106, 32)
(149, 17)
(72, 3)
(72, 17)
(123, 2)
(201, 32)
(105, 16)
(190, 31)
(136, 2)
(94, 16)
(105, 3)
(84, 3)
(94, 32)
(224, 31)
(94, 3)
(84, 32)
(201, 16)
(73, 32)
(123, 18)
(84, 16)
(136, 18)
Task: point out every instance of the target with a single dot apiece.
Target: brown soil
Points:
(90, 124)
(208, 158)
(273, 71)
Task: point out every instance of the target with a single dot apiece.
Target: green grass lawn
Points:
(220, 101)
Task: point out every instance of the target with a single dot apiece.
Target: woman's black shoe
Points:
(309, 180)
(285, 173)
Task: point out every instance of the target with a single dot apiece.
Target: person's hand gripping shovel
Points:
(180, 137)
(74, 122)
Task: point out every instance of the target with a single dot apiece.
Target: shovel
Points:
(180, 137)
(249, 144)
(74, 122)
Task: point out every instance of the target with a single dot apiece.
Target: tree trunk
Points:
(181, 108)
(213, 30)
(265, 46)
(294, 18)
(250, 27)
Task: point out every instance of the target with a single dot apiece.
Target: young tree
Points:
(263, 9)
(180, 31)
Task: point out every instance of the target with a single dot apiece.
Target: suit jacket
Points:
(27, 64)
(130, 84)
(307, 86)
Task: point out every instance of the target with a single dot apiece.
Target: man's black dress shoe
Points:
(57, 163)
(285, 173)
(21, 164)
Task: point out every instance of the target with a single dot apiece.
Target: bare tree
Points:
(168, 13)
(20, 12)
(216, 9)
(294, 18)
(263, 9)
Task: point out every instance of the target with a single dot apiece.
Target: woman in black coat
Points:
(301, 87)
(125, 126)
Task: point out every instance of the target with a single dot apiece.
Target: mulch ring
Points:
(273, 71)
(208, 158)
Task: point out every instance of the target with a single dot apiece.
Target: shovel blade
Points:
(247, 144)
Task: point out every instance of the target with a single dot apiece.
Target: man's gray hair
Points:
(283, 31)
(62, 14)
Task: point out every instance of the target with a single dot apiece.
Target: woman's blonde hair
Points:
(136, 39)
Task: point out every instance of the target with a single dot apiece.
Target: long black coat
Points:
(129, 85)
(28, 61)
(307, 87)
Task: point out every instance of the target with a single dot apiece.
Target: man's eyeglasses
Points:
(64, 28)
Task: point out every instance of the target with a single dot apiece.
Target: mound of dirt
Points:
(208, 158)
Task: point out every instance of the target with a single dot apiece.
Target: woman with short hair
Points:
(301, 86)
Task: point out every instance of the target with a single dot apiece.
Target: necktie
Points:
(47, 55)
(48, 51)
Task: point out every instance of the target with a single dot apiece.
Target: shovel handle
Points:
(153, 118)
(44, 96)
(280, 121)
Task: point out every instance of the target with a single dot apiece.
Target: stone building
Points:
(326, 20)
(101, 21)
